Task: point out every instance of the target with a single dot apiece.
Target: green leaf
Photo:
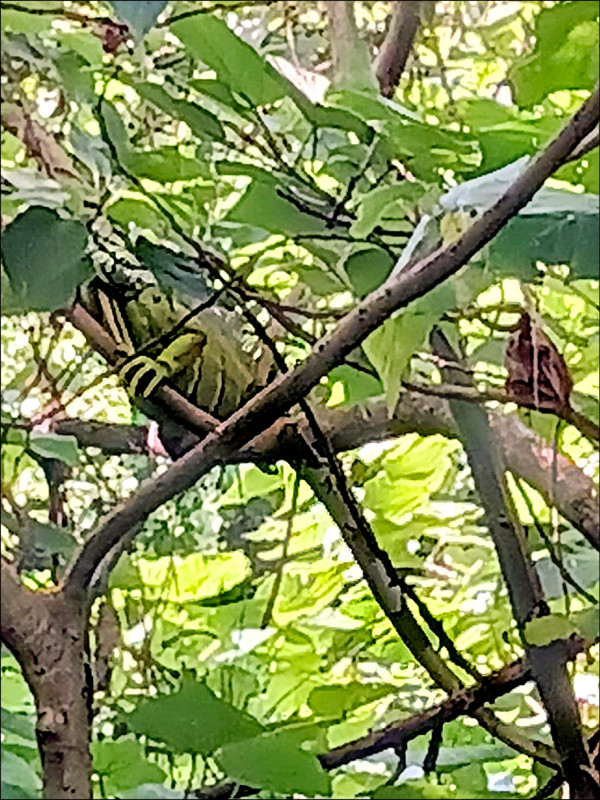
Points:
(265, 762)
(263, 207)
(565, 54)
(357, 385)
(336, 700)
(165, 166)
(139, 212)
(86, 44)
(389, 202)
(413, 790)
(202, 123)
(27, 23)
(425, 146)
(193, 720)
(44, 258)
(122, 765)
(367, 269)
(77, 81)
(588, 622)
(235, 62)
(139, 16)
(54, 445)
(390, 347)
(16, 771)
(545, 630)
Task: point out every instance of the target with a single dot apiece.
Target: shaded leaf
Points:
(266, 762)
(236, 63)
(193, 720)
(123, 766)
(139, 16)
(44, 258)
(390, 347)
(54, 445)
(367, 269)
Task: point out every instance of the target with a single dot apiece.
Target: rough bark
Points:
(527, 455)
(350, 68)
(47, 635)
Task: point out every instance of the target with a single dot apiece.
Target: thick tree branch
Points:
(527, 455)
(271, 403)
(548, 666)
(46, 634)
(395, 48)
(351, 67)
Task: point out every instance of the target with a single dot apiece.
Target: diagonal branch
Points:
(269, 404)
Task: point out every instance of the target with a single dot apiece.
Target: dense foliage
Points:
(213, 149)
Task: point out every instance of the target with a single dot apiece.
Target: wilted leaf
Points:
(537, 374)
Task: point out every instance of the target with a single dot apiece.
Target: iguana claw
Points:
(142, 366)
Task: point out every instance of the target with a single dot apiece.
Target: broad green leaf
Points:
(122, 765)
(410, 472)
(165, 166)
(545, 630)
(356, 384)
(84, 43)
(139, 16)
(565, 54)
(201, 122)
(588, 622)
(193, 578)
(77, 80)
(337, 699)
(367, 269)
(390, 347)
(28, 23)
(16, 695)
(17, 772)
(21, 727)
(54, 445)
(139, 212)
(262, 206)
(192, 720)
(414, 790)
(236, 63)
(268, 763)
(305, 593)
(41, 282)
(382, 204)
(427, 147)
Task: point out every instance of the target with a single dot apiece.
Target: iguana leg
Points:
(142, 366)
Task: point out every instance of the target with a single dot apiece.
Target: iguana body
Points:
(202, 356)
